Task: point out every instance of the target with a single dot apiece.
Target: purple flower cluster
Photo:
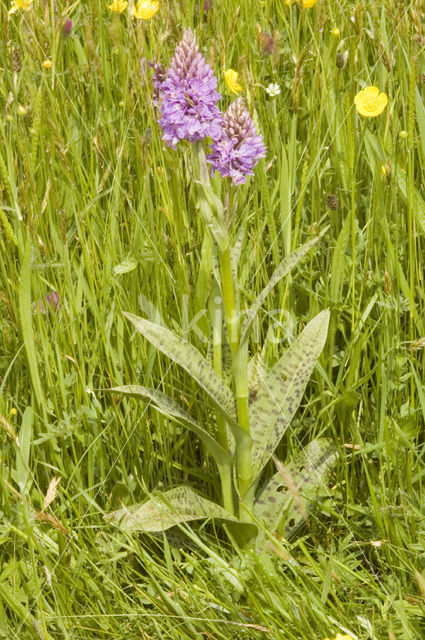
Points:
(239, 148)
(52, 300)
(187, 98)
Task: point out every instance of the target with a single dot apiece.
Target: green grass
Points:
(93, 206)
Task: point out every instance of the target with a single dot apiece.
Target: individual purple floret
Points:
(188, 96)
(238, 149)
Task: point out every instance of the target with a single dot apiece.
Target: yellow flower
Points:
(339, 636)
(25, 5)
(47, 64)
(231, 77)
(118, 5)
(145, 9)
(370, 102)
(307, 4)
(335, 31)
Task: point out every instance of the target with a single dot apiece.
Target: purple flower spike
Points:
(188, 96)
(238, 149)
(52, 300)
(67, 28)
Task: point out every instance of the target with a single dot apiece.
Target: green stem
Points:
(224, 470)
(410, 181)
(229, 299)
(240, 377)
(351, 162)
(410, 205)
(214, 215)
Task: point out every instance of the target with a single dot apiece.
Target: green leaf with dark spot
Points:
(282, 270)
(257, 372)
(188, 357)
(169, 407)
(281, 392)
(289, 495)
(165, 510)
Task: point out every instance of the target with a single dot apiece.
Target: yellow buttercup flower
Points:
(118, 5)
(47, 64)
(370, 102)
(307, 4)
(231, 77)
(145, 9)
(24, 5)
(340, 636)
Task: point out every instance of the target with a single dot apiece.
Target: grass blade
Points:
(169, 407)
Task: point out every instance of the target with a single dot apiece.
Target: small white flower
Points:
(273, 89)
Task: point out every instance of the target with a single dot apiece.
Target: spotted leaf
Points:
(280, 393)
(257, 372)
(282, 270)
(188, 357)
(289, 495)
(165, 510)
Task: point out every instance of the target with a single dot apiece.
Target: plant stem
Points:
(351, 161)
(224, 470)
(239, 352)
(240, 377)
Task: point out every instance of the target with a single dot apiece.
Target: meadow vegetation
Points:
(98, 216)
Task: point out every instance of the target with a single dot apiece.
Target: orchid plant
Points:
(253, 405)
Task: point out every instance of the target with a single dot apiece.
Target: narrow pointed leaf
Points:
(282, 270)
(208, 204)
(169, 407)
(338, 262)
(281, 391)
(289, 494)
(188, 357)
(25, 313)
(163, 511)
